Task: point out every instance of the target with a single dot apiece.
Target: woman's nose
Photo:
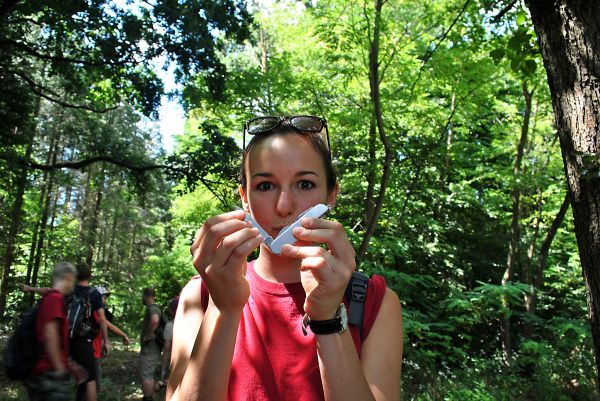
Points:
(285, 204)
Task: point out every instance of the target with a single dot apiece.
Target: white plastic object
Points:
(286, 235)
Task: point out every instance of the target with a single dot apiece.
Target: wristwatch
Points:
(338, 324)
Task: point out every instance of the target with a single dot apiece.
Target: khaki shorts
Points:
(149, 362)
(47, 388)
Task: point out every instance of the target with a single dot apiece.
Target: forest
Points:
(465, 135)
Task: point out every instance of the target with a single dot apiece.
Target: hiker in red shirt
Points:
(275, 329)
(50, 377)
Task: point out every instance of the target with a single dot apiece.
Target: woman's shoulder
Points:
(194, 294)
(376, 293)
(380, 295)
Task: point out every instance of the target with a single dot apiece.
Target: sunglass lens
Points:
(262, 124)
(307, 123)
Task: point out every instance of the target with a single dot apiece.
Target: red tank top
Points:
(273, 360)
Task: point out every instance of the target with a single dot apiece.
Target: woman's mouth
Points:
(276, 230)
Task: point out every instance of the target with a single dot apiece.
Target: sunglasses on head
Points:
(303, 124)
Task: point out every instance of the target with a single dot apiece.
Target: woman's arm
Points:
(185, 328)
(207, 374)
(325, 274)
(376, 376)
(202, 357)
(382, 350)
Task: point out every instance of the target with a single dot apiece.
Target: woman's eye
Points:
(264, 186)
(305, 184)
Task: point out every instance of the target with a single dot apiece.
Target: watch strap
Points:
(329, 326)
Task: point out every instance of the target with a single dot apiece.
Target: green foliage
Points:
(105, 51)
(206, 156)
(453, 109)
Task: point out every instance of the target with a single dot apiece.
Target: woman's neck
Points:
(277, 268)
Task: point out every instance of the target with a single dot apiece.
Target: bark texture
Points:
(569, 37)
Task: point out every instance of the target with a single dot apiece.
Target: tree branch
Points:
(504, 11)
(429, 53)
(42, 56)
(39, 90)
(80, 164)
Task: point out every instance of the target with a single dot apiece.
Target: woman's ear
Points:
(244, 197)
(333, 194)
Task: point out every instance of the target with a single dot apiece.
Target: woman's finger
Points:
(215, 234)
(230, 244)
(327, 232)
(243, 250)
(202, 253)
(322, 268)
(313, 222)
(302, 252)
(236, 214)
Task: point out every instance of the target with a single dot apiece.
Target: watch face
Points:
(344, 316)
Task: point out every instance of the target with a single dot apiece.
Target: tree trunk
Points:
(264, 69)
(53, 211)
(449, 139)
(538, 279)
(44, 218)
(515, 226)
(372, 170)
(132, 244)
(42, 234)
(374, 82)
(93, 227)
(34, 238)
(568, 34)
(13, 231)
(113, 235)
(83, 203)
(528, 274)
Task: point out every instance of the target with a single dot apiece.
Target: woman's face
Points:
(285, 175)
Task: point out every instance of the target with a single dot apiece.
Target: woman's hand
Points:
(324, 272)
(219, 254)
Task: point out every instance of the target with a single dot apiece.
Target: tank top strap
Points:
(204, 294)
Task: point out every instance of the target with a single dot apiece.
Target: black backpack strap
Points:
(355, 294)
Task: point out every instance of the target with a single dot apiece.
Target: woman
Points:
(238, 331)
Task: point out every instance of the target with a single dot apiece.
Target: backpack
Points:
(21, 352)
(159, 335)
(356, 291)
(79, 315)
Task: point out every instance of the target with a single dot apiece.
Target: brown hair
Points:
(84, 272)
(315, 140)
